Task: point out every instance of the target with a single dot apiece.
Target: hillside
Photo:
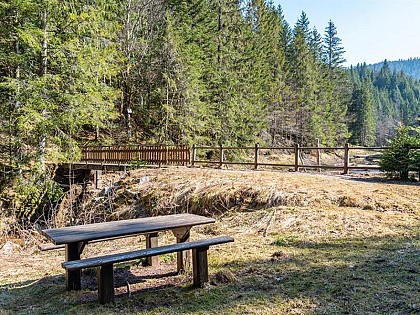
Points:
(304, 244)
(410, 67)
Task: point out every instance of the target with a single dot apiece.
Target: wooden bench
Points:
(105, 268)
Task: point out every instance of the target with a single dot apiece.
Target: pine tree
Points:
(61, 64)
(333, 51)
(338, 85)
(362, 116)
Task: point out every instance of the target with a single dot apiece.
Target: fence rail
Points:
(182, 155)
(296, 151)
(166, 155)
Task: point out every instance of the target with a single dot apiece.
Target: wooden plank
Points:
(89, 232)
(50, 246)
(143, 253)
(365, 167)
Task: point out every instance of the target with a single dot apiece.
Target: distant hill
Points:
(410, 67)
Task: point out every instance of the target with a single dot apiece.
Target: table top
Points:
(105, 230)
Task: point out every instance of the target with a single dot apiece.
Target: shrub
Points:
(400, 158)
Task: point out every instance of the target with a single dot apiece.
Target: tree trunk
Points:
(43, 71)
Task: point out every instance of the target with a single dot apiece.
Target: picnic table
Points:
(75, 238)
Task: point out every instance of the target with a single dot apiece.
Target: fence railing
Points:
(182, 155)
(295, 151)
(166, 155)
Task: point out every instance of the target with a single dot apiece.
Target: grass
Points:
(325, 254)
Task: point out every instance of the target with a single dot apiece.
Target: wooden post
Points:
(193, 155)
(346, 159)
(73, 251)
(183, 258)
(105, 276)
(160, 150)
(220, 156)
(152, 241)
(318, 154)
(257, 148)
(200, 267)
(296, 157)
(97, 178)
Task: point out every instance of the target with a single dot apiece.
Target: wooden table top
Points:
(97, 231)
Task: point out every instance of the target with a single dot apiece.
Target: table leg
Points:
(183, 258)
(152, 241)
(73, 251)
(200, 267)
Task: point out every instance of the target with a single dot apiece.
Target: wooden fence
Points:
(296, 151)
(158, 155)
(171, 155)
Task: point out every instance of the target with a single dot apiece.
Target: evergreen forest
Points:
(381, 101)
(203, 72)
(410, 66)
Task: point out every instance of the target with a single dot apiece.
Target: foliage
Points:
(228, 73)
(389, 98)
(410, 67)
(31, 195)
(285, 240)
(399, 159)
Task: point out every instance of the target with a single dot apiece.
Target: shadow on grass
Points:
(340, 276)
(48, 295)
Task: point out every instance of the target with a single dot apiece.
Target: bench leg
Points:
(152, 241)
(105, 275)
(73, 251)
(200, 267)
(183, 258)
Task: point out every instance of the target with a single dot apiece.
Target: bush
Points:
(30, 194)
(400, 158)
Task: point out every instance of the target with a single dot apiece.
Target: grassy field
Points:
(304, 244)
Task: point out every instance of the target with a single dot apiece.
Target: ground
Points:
(305, 243)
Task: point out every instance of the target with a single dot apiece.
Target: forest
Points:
(410, 67)
(203, 72)
(183, 72)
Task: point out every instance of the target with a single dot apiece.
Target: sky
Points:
(371, 30)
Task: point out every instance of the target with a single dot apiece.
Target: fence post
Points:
(257, 148)
(160, 155)
(296, 157)
(193, 153)
(318, 154)
(346, 159)
(220, 156)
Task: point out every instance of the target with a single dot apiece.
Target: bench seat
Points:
(105, 269)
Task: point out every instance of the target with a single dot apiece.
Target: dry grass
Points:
(217, 192)
(304, 244)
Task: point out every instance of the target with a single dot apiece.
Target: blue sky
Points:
(371, 30)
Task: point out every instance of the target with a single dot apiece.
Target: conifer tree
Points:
(269, 47)
(61, 63)
(338, 85)
(362, 116)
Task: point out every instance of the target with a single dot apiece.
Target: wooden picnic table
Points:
(76, 237)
